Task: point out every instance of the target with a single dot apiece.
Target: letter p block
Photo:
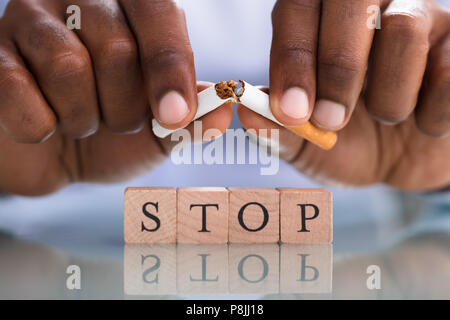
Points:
(306, 215)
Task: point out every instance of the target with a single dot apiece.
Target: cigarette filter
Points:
(258, 101)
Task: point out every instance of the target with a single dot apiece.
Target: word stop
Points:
(221, 215)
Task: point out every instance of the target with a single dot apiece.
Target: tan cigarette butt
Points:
(322, 138)
(258, 101)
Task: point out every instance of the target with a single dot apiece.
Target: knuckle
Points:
(78, 123)
(435, 134)
(151, 9)
(119, 120)
(36, 130)
(284, 6)
(303, 4)
(162, 6)
(126, 126)
(299, 52)
(17, 4)
(438, 127)
(441, 78)
(117, 52)
(405, 26)
(167, 57)
(13, 80)
(388, 115)
(341, 67)
(67, 65)
(42, 31)
(298, 4)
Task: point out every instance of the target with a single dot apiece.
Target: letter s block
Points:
(150, 215)
(254, 215)
(306, 215)
(202, 215)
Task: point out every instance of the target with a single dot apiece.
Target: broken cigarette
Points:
(257, 101)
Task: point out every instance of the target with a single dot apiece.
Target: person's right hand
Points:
(75, 105)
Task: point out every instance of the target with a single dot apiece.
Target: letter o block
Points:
(254, 215)
(306, 215)
(150, 215)
(202, 215)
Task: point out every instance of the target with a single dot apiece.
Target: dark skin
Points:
(88, 118)
(75, 105)
(394, 85)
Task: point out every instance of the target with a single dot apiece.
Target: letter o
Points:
(241, 217)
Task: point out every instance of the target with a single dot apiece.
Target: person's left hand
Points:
(393, 121)
(325, 51)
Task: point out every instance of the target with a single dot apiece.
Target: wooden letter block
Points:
(254, 268)
(306, 268)
(306, 215)
(202, 268)
(150, 269)
(202, 215)
(254, 215)
(150, 215)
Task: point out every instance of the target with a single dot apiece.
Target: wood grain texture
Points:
(254, 268)
(139, 205)
(306, 215)
(202, 268)
(150, 269)
(202, 215)
(254, 215)
(306, 268)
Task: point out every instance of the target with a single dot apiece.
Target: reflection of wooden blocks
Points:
(150, 269)
(306, 215)
(202, 268)
(254, 268)
(306, 268)
(150, 215)
(254, 215)
(202, 215)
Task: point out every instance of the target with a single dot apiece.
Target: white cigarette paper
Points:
(257, 101)
(208, 100)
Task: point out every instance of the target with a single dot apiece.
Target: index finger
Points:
(293, 60)
(166, 58)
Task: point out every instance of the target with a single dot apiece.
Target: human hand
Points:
(65, 96)
(393, 120)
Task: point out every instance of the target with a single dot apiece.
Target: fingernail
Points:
(172, 108)
(329, 114)
(294, 103)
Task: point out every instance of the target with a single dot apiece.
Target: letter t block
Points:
(306, 215)
(202, 215)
